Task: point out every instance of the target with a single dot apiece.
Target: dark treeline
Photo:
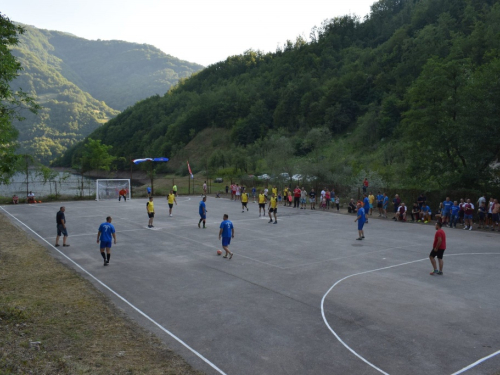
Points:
(412, 92)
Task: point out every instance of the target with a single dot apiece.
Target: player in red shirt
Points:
(438, 249)
(296, 197)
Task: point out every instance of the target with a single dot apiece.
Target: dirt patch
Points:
(53, 321)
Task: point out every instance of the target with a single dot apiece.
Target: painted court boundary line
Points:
(381, 269)
(121, 298)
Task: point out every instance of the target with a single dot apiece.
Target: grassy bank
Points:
(52, 321)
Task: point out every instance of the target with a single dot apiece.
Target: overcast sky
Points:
(201, 31)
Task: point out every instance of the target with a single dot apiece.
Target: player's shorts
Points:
(226, 241)
(371, 206)
(303, 200)
(275, 210)
(105, 244)
(495, 217)
(175, 193)
(262, 205)
(238, 193)
(61, 230)
(490, 215)
(244, 204)
(151, 215)
(202, 216)
(312, 200)
(447, 214)
(360, 224)
(170, 205)
(481, 216)
(438, 253)
(461, 213)
(379, 204)
(385, 206)
(469, 217)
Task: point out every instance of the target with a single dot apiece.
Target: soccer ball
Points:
(219, 252)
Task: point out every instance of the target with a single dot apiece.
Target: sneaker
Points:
(362, 236)
(199, 225)
(152, 226)
(359, 239)
(440, 273)
(243, 211)
(425, 222)
(275, 222)
(435, 272)
(105, 263)
(57, 245)
(247, 208)
(270, 221)
(225, 256)
(170, 215)
(470, 228)
(466, 227)
(230, 256)
(66, 245)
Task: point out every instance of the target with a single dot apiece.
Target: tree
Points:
(95, 156)
(11, 102)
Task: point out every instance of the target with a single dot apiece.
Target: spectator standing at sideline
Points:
(366, 206)
(61, 226)
(380, 204)
(438, 248)
(385, 205)
(446, 214)
(296, 197)
(396, 201)
(15, 199)
(365, 185)
(312, 199)
(371, 199)
(454, 214)
(303, 199)
(468, 212)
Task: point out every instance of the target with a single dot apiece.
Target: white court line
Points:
(122, 298)
(385, 268)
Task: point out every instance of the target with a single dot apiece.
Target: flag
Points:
(189, 169)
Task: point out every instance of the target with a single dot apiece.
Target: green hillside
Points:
(81, 84)
(410, 94)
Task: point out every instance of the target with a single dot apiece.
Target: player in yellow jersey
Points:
(262, 203)
(244, 201)
(171, 200)
(274, 190)
(150, 208)
(273, 209)
(285, 196)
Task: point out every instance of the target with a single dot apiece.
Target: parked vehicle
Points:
(218, 180)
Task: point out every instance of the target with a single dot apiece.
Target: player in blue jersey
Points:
(203, 212)
(361, 219)
(226, 232)
(105, 234)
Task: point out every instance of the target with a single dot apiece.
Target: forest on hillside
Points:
(410, 94)
(81, 84)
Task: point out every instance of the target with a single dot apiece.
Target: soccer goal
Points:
(110, 189)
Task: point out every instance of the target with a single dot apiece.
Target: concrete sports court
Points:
(300, 297)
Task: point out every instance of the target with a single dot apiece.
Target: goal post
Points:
(110, 188)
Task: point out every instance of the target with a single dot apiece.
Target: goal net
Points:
(110, 189)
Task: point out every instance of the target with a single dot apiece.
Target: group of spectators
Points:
(448, 213)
